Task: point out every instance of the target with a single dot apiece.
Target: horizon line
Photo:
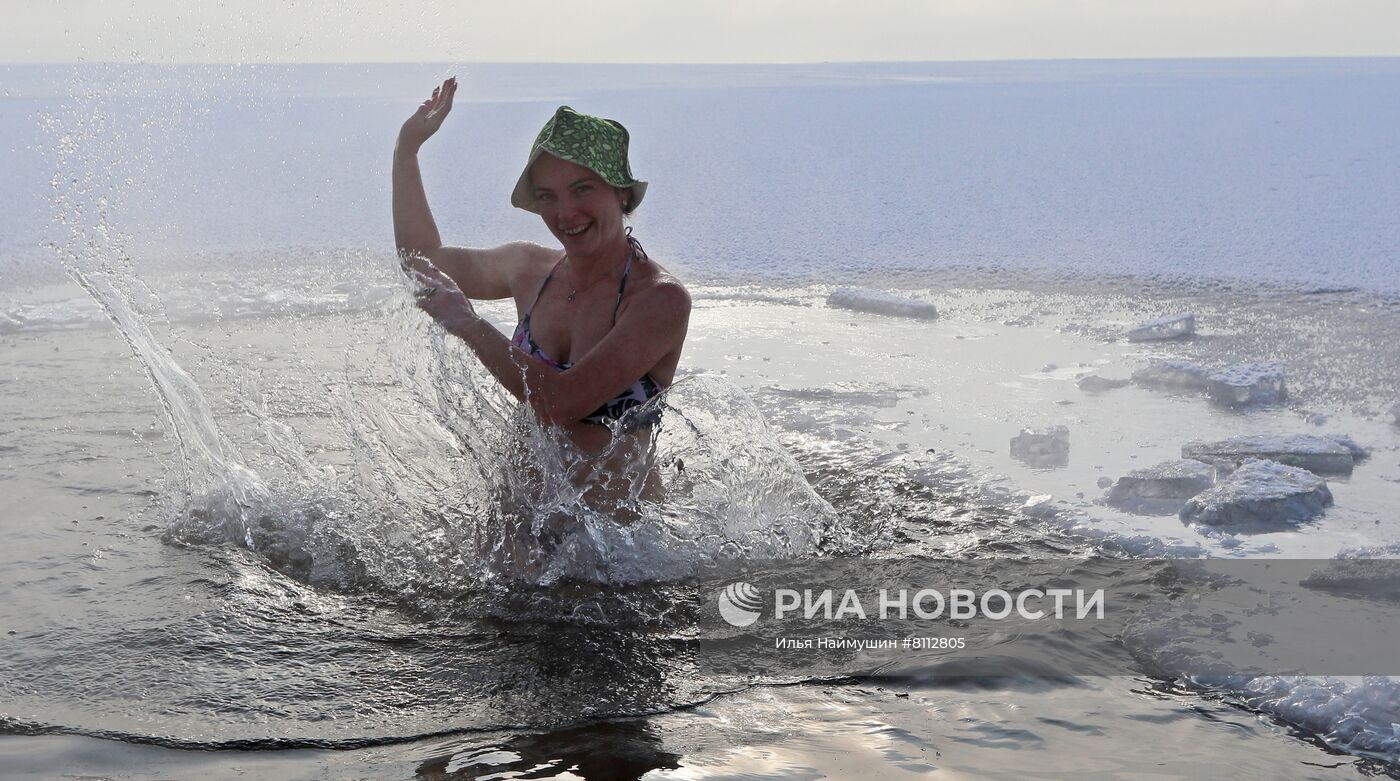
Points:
(693, 63)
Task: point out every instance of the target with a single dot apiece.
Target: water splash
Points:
(710, 481)
(448, 484)
(93, 174)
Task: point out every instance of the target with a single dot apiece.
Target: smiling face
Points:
(582, 211)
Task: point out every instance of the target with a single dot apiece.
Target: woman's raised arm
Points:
(415, 233)
(480, 273)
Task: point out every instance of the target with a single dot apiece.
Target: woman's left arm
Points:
(652, 326)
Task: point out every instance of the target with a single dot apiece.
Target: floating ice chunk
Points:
(1044, 448)
(1096, 384)
(1386, 551)
(1319, 454)
(1167, 327)
(1377, 578)
(1395, 413)
(1358, 453)
(880, 302)
(1042, 507)
(1248, 383)
(1260, 496)
(1173, 376)
(1161, 489)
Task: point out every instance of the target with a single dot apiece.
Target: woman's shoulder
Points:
(530, 263)
(528, 253)
(659, 287)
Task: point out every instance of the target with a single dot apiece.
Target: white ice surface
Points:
(968, 384)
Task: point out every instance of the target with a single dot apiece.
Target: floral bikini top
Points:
(634, 395)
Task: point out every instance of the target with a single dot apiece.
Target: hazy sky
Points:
(688, 30)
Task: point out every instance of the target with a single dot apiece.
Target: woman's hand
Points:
(428, 118)
(438, 295)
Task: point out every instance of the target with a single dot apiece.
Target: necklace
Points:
(575, 291)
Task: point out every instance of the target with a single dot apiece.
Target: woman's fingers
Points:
(430, 113)
(430, 276)
(439, 296)
(449, 90)
(441, 101)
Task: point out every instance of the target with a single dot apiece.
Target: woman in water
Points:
(601, 324)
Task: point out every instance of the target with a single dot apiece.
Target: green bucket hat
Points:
(597, 144)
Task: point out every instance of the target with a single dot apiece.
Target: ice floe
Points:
(1326, 455)
(1166, 327)
(1386, 551)
(1241, 385)
(1248, 383)
(1042, 448)
(1161, 489)
(1371, 577)
(1358, 453)
(1260, 496)
(1172, 375)
(881, 303)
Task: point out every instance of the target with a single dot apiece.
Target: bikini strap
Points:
(634, 249)
(548, 277)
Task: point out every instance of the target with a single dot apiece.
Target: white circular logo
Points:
(740, 604)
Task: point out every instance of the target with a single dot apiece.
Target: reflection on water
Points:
(607, 750)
